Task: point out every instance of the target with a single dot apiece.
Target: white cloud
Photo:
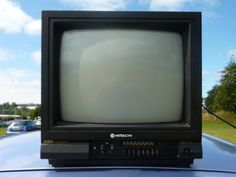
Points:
(209, 79)
(232, 53)
(20, 86)
(36, 56)
(17, 73)
(5, 54)
(167, 5)
(210, 2)
(207, 7)
(14, 20)
(96, 4)
(210, 14)
(205, 72)
(33, 27)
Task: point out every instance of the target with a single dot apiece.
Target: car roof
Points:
(22, 120)
(20, 156)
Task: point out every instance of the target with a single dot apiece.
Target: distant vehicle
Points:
(3, 124)
(8, 123)
(38, 122)
(20, 126)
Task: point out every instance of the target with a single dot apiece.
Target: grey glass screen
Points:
(121, 76)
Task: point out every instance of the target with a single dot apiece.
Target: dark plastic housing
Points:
(188, 24)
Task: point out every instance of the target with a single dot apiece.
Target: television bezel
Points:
(187, 23)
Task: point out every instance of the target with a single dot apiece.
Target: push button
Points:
(147, 152)
(124, 152)
(138, 152)
(102, 152)
(129, 153)
(156, 152)
(152, 152)
(143, 152)
(133, 153)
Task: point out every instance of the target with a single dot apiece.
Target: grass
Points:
(3, 131)
(217, 128)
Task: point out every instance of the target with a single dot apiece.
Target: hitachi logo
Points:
(121, 135)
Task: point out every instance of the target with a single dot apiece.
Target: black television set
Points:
(121, 88)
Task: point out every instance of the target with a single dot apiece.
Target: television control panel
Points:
(131, 150)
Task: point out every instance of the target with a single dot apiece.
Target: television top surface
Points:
(20, 156)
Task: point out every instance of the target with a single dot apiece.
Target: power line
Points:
(210, 112)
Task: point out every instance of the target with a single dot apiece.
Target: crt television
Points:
(121, 88)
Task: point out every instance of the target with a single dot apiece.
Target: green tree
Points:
(223, 96)
(210, 99)
(24, 112)
(226, 93)
(7, 108)
(14, 105)
(35, 112)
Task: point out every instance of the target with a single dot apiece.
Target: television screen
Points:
(121, 76)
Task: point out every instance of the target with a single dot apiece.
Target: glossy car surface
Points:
(20, 157)
(20, 126)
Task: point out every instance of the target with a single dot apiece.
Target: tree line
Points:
(24, 112)
(222, 97)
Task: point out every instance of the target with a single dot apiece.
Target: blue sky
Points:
(20, 38)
